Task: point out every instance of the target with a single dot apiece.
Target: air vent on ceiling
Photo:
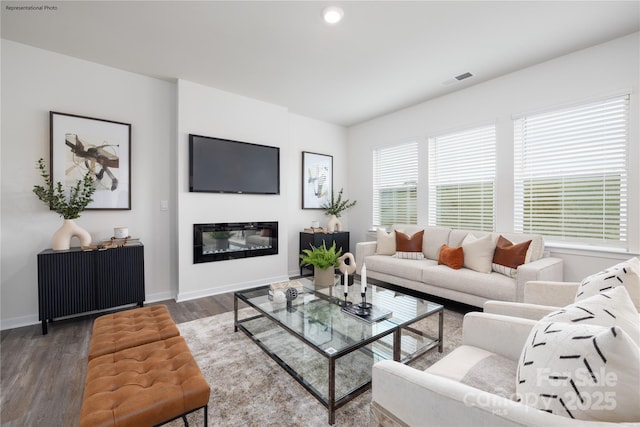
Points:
(464, 76)
(457, 78)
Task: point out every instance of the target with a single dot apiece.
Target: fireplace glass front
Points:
(224, 241)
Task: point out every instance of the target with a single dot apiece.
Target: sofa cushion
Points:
(492, 286)
(504, 270)
(385, 242)
(581, 371)
(403, 268)
(406, 243)
(625, 274)
(409, 255)
(433, 239)
(408, 229)
(457, 236)
(508, 256)
(451, 257)
(478, 368)
(612, 307)
(536, 248)
(478, 252)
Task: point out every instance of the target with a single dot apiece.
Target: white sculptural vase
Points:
(62, 238)
(334, 224)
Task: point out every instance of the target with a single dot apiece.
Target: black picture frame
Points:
(79, 144)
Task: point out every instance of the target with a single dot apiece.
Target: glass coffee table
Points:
(329, 352)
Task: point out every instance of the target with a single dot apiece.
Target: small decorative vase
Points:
(349, 268)
(334, 224)
(62, 238)
(323, 278)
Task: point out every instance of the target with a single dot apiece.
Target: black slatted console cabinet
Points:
(76, 281)
(306, 239)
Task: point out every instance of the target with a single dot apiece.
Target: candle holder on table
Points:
(363, 308)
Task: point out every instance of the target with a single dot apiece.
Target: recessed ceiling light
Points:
(332, 15)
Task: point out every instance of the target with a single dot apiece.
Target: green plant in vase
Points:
(68, 203)
(335, 209)
(324, 260)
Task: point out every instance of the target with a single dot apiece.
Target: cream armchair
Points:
(471, 386)
(540, 299)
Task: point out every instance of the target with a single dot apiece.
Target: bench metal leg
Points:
(184, 417)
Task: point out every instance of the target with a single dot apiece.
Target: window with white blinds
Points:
(462, 171)
(571, 173)
(395, 180)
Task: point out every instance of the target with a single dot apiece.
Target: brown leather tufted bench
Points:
(145, 385)
(130, 328)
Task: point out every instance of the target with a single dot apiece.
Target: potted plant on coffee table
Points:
(324, 261)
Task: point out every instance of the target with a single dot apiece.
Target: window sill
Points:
(589, 251)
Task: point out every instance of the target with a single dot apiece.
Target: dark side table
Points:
(307, 239)
(75, 281)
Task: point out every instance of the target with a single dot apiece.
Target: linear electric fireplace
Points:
(223, 241)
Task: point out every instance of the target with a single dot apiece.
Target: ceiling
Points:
(383, 56)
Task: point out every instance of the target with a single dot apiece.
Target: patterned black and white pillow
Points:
(625, 274)
(581, 371)
(612, 307)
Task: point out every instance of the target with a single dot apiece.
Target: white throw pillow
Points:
(478, 252)
(581, 371)
(409, 255)
(610, 308)
(503, 269)
(385, 242)
(626, 273)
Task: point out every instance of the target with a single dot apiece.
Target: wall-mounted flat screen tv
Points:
(219, 165)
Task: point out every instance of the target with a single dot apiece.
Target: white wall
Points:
(35, 82)
(162, 114)
(211, 112)
(317, 137)
(595, 72)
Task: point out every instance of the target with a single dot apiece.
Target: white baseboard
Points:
(32, 319)
(18, 322)
(233, 287)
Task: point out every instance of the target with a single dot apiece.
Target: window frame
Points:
(572, 176)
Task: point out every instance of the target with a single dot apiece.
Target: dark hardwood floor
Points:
(42, 376)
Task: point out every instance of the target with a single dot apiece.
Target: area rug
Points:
(248, 388)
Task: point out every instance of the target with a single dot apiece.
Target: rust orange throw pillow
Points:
(508, 254)
(405, 243)
(451, 257)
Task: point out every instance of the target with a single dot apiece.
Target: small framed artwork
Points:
(101, 147)
(317, 180)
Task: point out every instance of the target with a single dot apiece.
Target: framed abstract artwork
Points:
(101, 147)
(317, 180)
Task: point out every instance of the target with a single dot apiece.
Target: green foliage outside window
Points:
(398, 206)
(465, 206)
(583, 207)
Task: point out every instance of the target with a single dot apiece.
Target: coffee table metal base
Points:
(330, 402)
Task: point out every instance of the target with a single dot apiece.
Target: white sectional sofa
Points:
(561, 327)
(464, 285)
